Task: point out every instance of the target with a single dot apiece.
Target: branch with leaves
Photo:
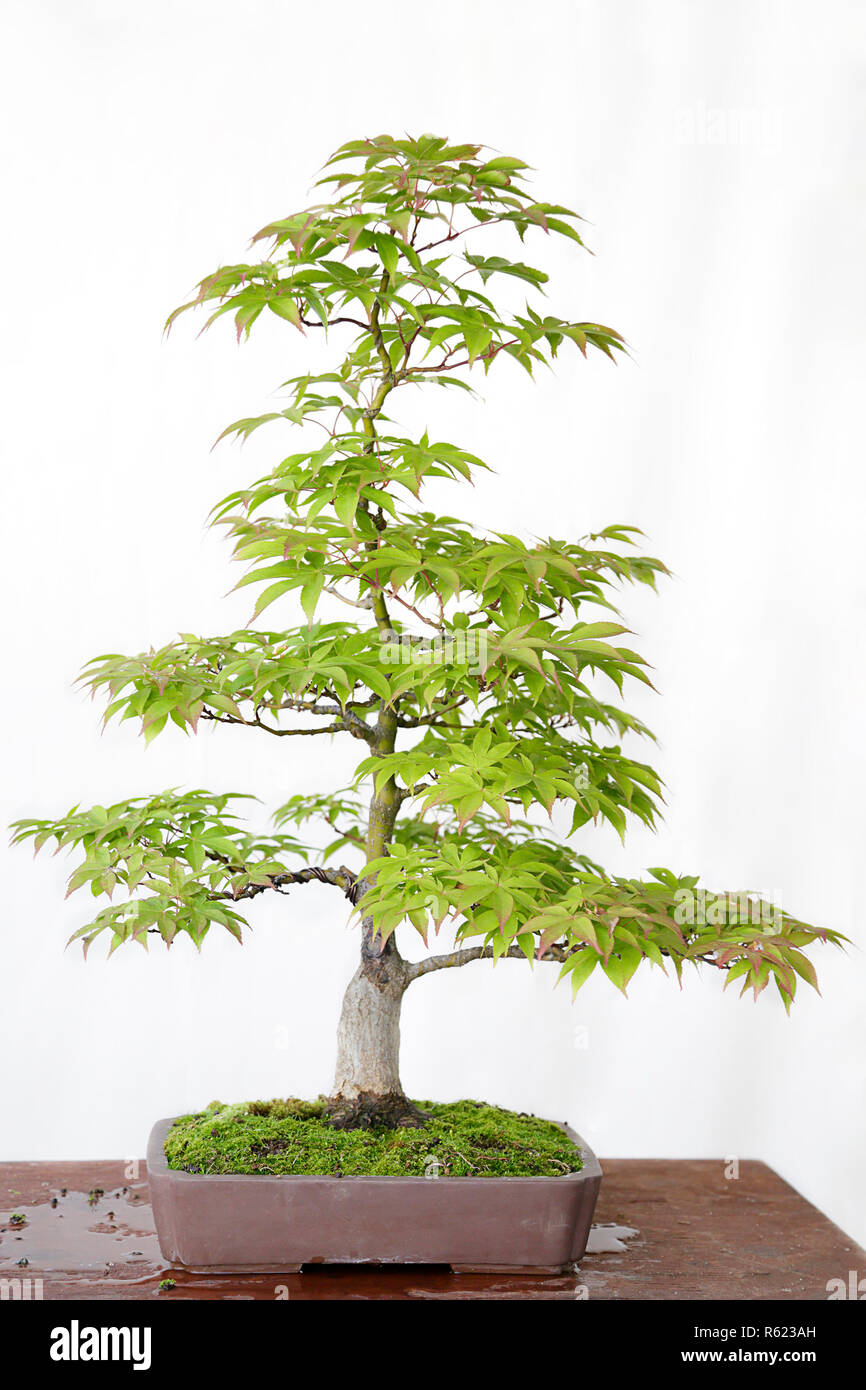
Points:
(182, 860)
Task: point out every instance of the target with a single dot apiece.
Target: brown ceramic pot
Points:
(276, 1224)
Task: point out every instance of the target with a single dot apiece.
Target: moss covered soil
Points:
(466, 1138)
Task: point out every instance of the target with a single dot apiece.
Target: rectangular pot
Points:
(240, 1223)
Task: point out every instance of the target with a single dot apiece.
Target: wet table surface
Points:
(667, 1229)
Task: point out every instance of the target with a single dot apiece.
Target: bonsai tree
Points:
(483, 675)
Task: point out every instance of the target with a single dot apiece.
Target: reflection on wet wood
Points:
(666, 1229)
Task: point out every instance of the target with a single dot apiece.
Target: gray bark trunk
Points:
(368, 1035)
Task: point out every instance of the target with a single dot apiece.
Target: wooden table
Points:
(690, 1233)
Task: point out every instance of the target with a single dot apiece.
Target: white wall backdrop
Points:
(717, 152)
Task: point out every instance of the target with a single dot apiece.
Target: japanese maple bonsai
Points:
(470, 667)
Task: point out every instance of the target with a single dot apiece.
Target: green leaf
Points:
(310, 593)
(286, 308)
(389, 252)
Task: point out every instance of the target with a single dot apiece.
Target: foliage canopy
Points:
(485, 674)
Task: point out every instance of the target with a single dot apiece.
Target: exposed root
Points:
(368, 1110)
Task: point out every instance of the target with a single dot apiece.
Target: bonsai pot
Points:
(262, 1224)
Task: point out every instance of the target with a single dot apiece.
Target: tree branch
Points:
(366, 602)
(404, 793)
(347, 723)
(338, 878)
(343, 318)
(454, 959)
(417, 722)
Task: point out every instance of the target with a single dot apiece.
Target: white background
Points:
(717, 153)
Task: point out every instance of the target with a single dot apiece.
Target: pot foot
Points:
(538, 1270)
(258, 1268)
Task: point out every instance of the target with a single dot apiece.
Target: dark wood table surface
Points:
(667, 1229)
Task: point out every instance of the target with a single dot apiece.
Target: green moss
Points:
(464, 1139)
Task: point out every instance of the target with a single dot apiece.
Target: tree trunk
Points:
(367, 1090)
